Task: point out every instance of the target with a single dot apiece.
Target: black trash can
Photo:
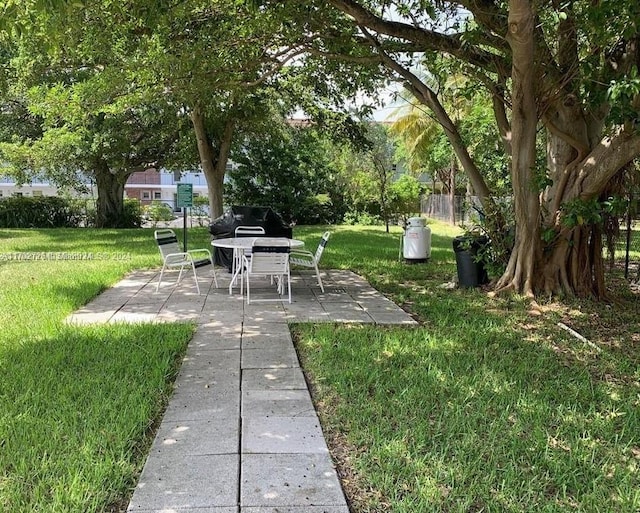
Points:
(471, 273)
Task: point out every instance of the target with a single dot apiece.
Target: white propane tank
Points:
(417, 241)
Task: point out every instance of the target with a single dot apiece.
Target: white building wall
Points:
(165, 191)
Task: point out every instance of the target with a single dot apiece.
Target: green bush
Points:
(158, 211)
(132, 214)
(200, 210)
(362, 218)
(39, 212)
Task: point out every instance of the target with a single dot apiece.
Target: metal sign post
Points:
(184, 200)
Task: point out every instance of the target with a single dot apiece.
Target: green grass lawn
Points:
(77, 404)
(486, 406)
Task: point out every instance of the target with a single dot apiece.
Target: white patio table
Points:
(243, 243)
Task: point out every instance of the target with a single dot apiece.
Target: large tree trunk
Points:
(214, 155)
(580, 166)
(520, 272)
(573, 262)
(110, 202)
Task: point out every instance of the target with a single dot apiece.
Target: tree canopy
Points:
(563, 72)
(562, 76)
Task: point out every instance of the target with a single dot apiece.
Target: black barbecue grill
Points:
(225, 226)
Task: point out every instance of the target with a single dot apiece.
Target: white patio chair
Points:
(305, 258)
(269, 258)
(242, 231)
(174, 258)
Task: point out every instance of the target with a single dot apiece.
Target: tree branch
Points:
(421, 91)
(426, 39)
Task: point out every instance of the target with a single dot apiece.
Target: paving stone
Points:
(186, 290)
(262, 340)
(273, 379)
(303, 509)
(241, 361)
(217, 302)
(146, 299)
(170, 316)
(82, 317)
(229, 509)
(134, 317)
(311, 316)
(261, 316)
(185, 304)
(222, 325)
(282, 435)
(150, 289)
(393, 318)
(253, 329)
(269, 358)
(332, 296)
(140, 279)
(379, 306)
(301, 292)
(103, 302)
(351, 317)
(280, 403)
(208, 376)
(350, 306)
(301, 480)
(136, 308)
(217, 435)
(211, 339)
(187, 482)
(223, 359)
(221, 317)
(203, 403)
(169, 285)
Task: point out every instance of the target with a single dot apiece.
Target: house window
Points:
(146, 195)
(37, 193)
(157, 195)
(0, 194)
(18, 194)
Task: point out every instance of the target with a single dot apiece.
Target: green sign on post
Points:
(185, 195)
(184, 200)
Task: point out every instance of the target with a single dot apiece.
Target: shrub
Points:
(132, 214)
(39, 212)
(200, 210)
(158, 211)
(362, 218)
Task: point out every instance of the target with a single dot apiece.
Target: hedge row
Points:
(56, 212)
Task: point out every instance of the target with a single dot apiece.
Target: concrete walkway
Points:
(240, 434)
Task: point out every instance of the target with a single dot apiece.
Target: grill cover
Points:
(225, 226)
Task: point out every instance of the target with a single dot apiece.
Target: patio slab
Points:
(282, 435)
(217, 435)
(203, 403)
(270, 358)
(273, 379)
(302, 480)
(187, 482)
(277, 403)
